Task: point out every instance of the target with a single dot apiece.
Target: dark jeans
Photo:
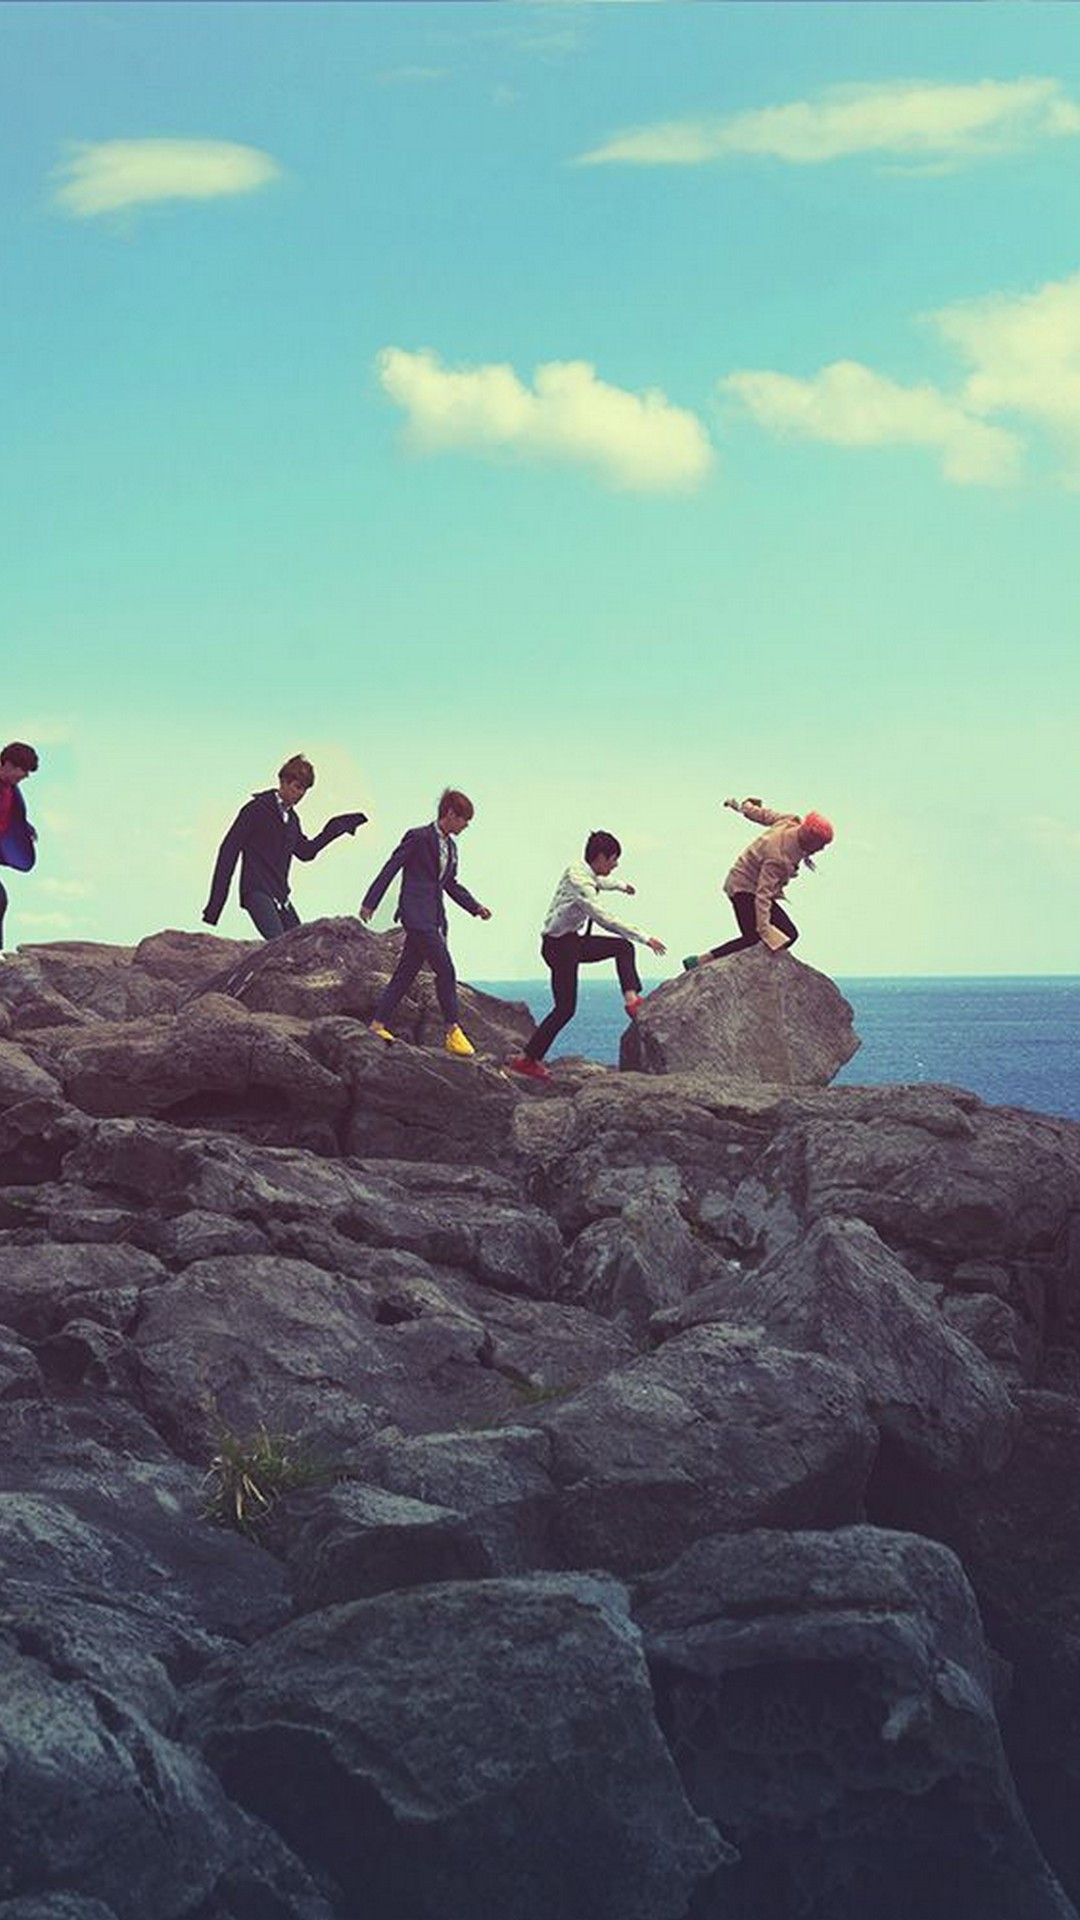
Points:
(271, 919)
(564, 955)
(3, 910)
(746, 914)
(419, 947)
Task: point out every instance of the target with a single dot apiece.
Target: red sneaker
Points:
(532, 1069)
(634, 1006)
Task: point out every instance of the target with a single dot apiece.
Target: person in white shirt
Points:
(566, 943)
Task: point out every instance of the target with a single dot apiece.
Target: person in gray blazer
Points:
(427, 860)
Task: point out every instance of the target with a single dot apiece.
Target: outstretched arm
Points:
(755, 810)
(341, 823)
(228, 854)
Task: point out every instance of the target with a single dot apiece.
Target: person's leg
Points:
(595, 946)
(289, 917)
(561, 955)
(3, 910)
(413, 955)
(267, 915)
(745, 908)
(441, 963)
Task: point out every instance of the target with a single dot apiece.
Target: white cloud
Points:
(635, 441)
(849, 405)
(915, 121)
(1024, 356)
(103, 176)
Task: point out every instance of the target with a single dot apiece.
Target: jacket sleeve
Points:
(462, 895)
(762, 815)
(228, 854)
(306, 849)
(386, 873)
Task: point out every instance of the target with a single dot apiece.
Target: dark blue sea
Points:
(1015, 1042)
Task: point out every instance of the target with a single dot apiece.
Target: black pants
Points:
(564, 954)
(3, 910)
(420, 947)
(746, 914)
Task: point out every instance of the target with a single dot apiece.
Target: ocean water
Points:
(1012, 1041)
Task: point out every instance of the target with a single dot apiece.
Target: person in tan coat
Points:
(755, 886)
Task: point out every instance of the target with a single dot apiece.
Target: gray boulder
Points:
(751, 1018)
(841, 1293)
(464, 1750)
(827, 1698)
(719, 1431)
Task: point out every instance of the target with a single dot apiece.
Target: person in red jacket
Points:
(755, 886)
(17, 836)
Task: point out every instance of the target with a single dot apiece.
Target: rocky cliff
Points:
(657, 1492)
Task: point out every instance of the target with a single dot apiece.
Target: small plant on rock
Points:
(248, 1472)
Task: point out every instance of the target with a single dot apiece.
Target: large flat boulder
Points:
(752, 1018)
(486, 1748)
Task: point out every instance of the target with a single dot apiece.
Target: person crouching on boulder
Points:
(17, 836)
(427, 860)
(756, 883)
(566, 943)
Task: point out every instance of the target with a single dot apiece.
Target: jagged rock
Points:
(718, 1431)
(840, 1292)
(499, 1484)
(42, 1287)
(628, 1267)
(210, 1051)
(21, 1079)
(338, 966)
(460, 1750)
(753, 1017)
(348, 1542)
(1018, 1536)
(191, 961)
(828, 1702)
(99, 979)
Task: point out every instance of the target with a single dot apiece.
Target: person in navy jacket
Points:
(265, 837)
(426, 859)
(17, 836)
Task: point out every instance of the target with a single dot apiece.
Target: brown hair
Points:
(298, 769)
(454, 801)
(20, 755)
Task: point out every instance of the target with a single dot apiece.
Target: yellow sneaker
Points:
(383, 1033)
(456, 1042)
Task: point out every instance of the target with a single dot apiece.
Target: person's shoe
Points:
(532, 1069)
(383, 1033)
(692, 960)
(634, 1006)
(456, 1042)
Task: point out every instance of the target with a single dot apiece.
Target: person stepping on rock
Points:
(756, 883)
(567, 943)
(427, 861)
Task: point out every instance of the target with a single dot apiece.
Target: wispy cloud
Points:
(849, 405)
(1024, 358)
(634, 441)
(913, 121)
(1022, 381)
(106, 175)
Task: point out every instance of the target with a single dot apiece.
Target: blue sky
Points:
(605, 408)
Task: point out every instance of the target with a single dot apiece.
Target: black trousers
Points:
(3, 910)
(420, 947)
(746, 914)
(564, 954)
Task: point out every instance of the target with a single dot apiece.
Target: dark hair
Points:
(454, 801)
(298, 769)
(603, 843)
(20, 755)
